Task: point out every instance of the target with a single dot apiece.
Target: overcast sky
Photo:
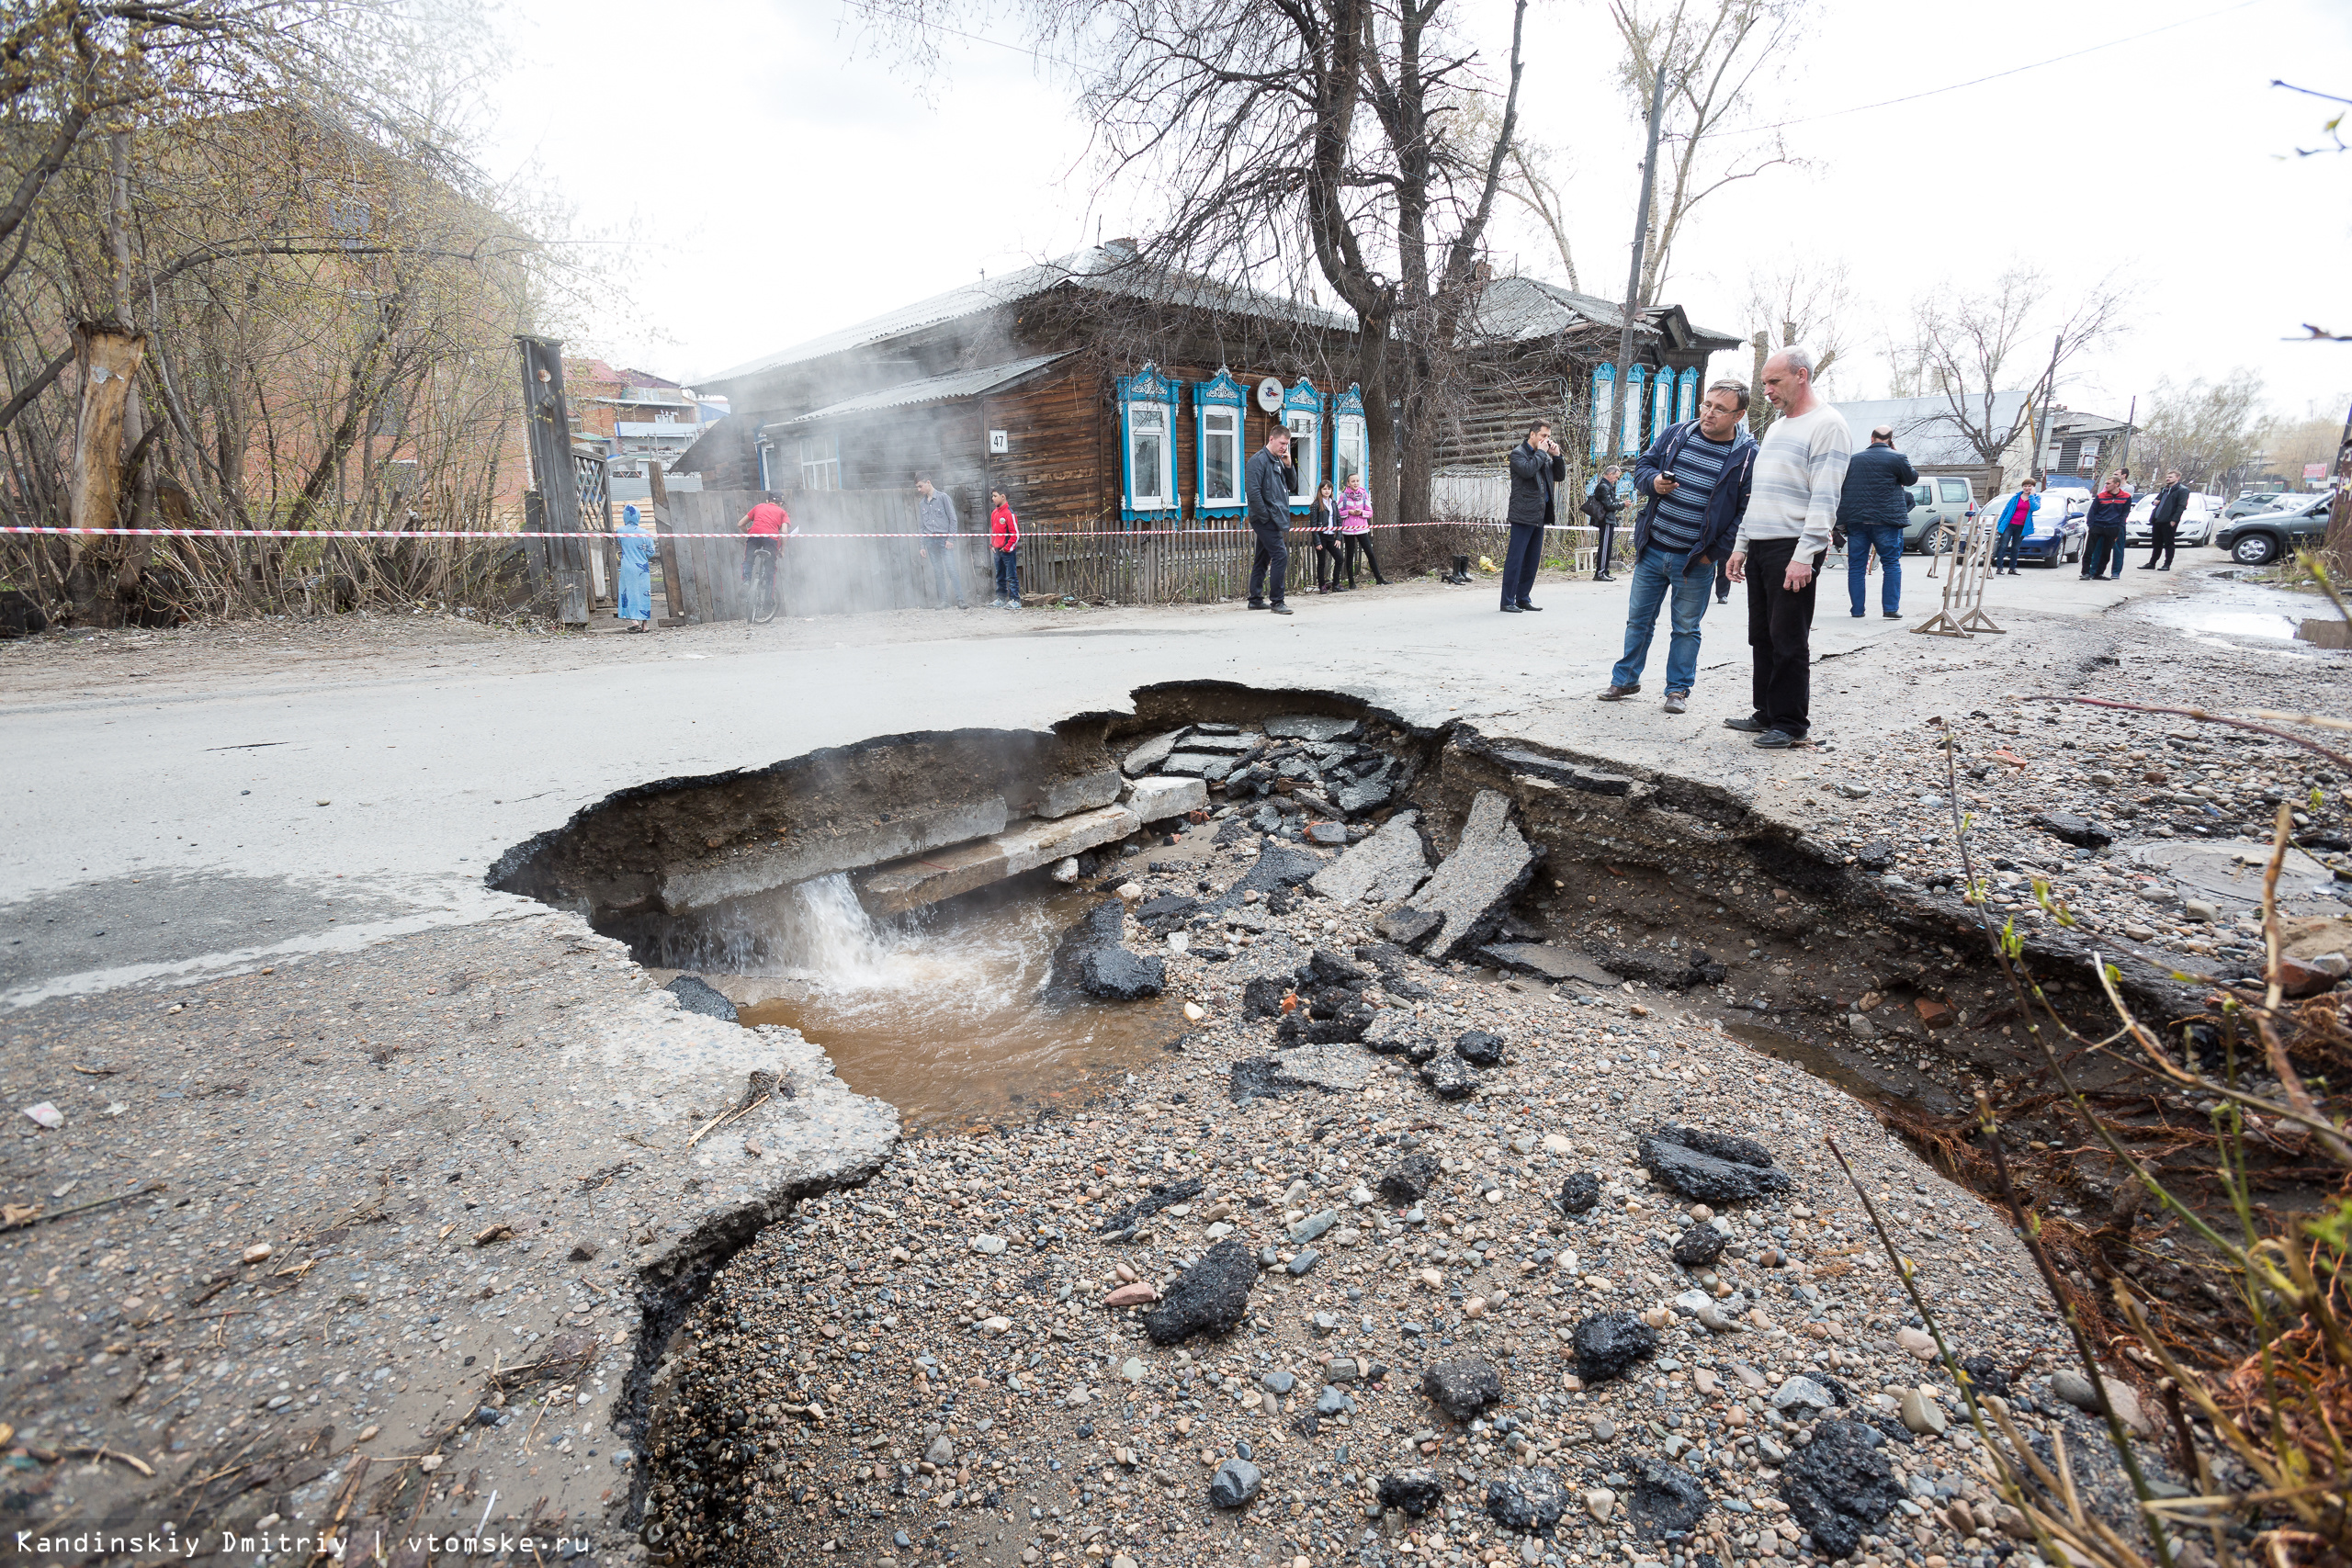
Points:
(786, 178)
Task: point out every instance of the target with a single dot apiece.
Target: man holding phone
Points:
(1697, 475)
(1536, 466)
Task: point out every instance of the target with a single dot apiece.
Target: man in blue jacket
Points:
(1871, 511)
(1697, 475)
(1267, 485)
(1536, 466)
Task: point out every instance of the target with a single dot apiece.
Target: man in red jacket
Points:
(1004, 542)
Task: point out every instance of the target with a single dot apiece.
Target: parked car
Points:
(2250, 502)
(2060, 526)
(2262, 539)
(1939, 505)
(2195, 527)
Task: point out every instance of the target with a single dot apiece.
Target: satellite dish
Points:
(1270, 394)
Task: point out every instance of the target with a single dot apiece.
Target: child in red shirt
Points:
(1004, 542)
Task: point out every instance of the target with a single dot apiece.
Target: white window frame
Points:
(1229, 439)
(820, 462)
(1350, 438)
(1148, 423)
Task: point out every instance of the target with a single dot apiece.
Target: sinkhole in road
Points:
(917, 905)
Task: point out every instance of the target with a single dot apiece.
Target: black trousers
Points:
(1272, 554)
(1780, 633)
(1326, 561)
(1607, 551)
(1519, 561)
(2160, 538)
(1361, 542)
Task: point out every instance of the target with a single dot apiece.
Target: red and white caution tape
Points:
(391, 537)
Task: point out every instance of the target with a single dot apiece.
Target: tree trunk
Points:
(1379, 423)
(109, 357)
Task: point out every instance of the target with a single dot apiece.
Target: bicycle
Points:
(759, 597)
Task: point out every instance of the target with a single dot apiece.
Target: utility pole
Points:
(1624, 408)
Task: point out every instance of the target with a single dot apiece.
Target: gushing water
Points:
(943, 1014)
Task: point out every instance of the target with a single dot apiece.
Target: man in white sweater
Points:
(1799, 472)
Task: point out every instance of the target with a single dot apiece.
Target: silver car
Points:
(2196, 526)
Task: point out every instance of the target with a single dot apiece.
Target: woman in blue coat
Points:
(637, 570)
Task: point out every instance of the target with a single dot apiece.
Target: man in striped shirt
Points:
(1800, 473)
(1697, 475)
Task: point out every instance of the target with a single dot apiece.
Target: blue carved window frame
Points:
(1636, 388)
(1688, 401)
(1661, 402)
(1147, 389)
(1303, 401)
(1604, 408)
(1349, 432)
(1220, 394)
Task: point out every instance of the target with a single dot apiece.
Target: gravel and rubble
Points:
(958, 1362)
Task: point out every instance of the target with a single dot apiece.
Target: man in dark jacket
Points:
(2110, 509)
(1871, 511)
(1267, 484)
(1536, 466)
(1698, 475)
(1600, 506)
(2163, 521)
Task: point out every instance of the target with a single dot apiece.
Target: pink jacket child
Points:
(1355, 508)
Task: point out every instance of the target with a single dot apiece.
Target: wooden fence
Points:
(822, 575)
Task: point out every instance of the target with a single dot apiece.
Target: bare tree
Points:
(1801, 301)
(1321, 141)
(270, 294)
(1715, 61)
(2209, 431)
(1974, 346)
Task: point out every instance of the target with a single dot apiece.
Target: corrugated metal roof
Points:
(1515, 309)
(1110, 268)
(1925, 428)
(929, 389)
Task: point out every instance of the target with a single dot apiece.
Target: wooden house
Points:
(1102, 395)
(1537, 350)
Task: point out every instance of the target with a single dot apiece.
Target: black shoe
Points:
(1525, 605)
(1748, 726)
(1257, 603)
(1510, 610)
(1890, 614)
(1776, 740)
(1279, 609)
(1602, 577)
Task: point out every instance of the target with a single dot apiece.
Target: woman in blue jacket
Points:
(2017, 518)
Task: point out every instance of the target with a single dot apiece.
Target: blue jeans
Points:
(1008, 573)
(946, 571)
(2011, 540)
(1657, 574)
(1886, 539)
(2103, 548)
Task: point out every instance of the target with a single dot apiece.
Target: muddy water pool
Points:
(945, 1014)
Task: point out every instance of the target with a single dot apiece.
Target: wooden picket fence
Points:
(839, 575)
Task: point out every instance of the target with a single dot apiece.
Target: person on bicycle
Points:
(764, 529)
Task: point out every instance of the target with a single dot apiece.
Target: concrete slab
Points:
(1083, 793)
(1147, 757)
(921, 880)
(1158, 799)
(765, 870)
(1383, 869)
(1340, 1068)
(1471, 892)
(1543, 963)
